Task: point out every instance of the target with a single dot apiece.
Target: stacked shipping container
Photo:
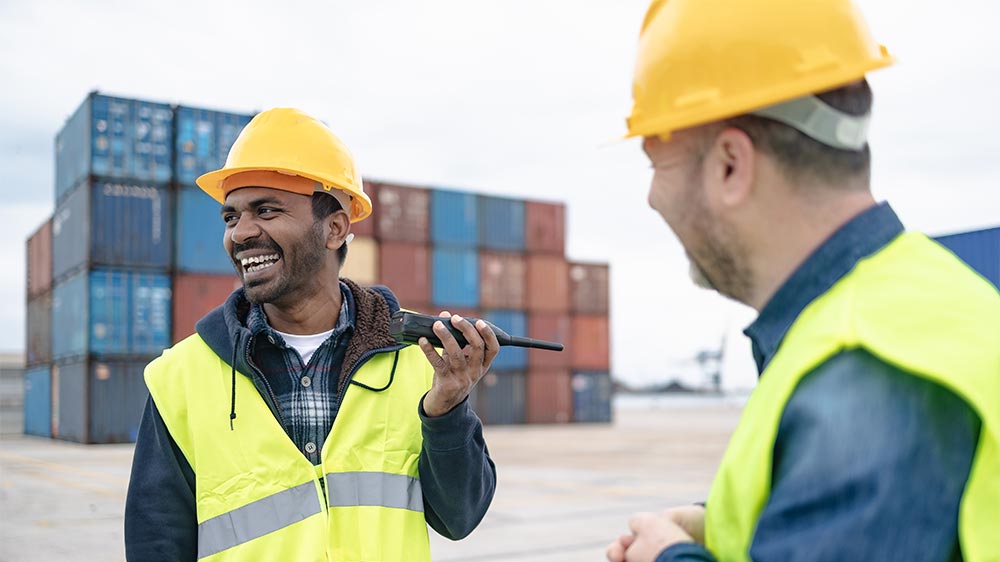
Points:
(135, 252)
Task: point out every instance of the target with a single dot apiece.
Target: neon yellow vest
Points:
(913, 305)
(258, 498)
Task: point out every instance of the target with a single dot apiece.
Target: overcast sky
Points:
(515, 97)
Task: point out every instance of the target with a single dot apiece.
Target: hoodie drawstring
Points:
(232, 411)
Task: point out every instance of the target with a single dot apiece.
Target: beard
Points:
(298, 266)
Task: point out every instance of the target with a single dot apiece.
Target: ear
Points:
(729, 168)
(339, 225)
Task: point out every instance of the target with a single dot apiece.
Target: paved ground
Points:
(563, 491)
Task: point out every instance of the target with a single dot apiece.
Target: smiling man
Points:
(292, 426)
(874, 430)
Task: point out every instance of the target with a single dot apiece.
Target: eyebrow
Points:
(254, 204)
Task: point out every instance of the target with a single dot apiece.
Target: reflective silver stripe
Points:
(347, 489)
(257, 519)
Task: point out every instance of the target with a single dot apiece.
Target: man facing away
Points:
(292, 426)
(873, 431)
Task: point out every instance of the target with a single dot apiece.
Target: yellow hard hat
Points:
(298, 146)
(701, 61)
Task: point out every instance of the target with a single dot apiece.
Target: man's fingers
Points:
(638, 521)
(616, 551)
(455, 356)
(490, 344)
(432, 355)
(444, 314)
(471, 336)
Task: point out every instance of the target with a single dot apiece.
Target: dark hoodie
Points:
(457, 476)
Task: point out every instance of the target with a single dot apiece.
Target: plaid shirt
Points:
(306, 395)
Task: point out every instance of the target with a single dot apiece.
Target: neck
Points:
(313, 315)
(792, 237)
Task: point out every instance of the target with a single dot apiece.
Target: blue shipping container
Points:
(109, 311)
(455, 277)
(515, 323)
(116, 138)
(501, 224)
(499, 398)
(108, 222)
(592, 397)
(980, 249)
(453, 219)
(198, 244)
(100, 401)
(38, 401)
(203, 140)
(69, 396)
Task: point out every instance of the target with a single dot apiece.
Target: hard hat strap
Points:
(819, 121)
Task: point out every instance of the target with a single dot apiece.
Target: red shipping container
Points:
(549, 326)
(589, 287)
(548, 284)
(406, 269)
(403, 213)
(591, 343)
(502, 277)
(549, 396)
(545, 228)
(195, 295)
(39, 254)
(367, 226)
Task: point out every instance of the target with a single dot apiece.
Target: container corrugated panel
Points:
(501, 223)
(149, 309)
(69, 405)
(367, 226)
(980, 249)
(499, 398)
(69, 317)
(203, 140)
(406, 269)
(454, 218)
(549, 326)
(117, 394)
(455, 277)
(403, 213)
(361, 265)
(502, 280)
(549, 396)
(112, 223)
(514, 323)
(38, 348)
(592, 394)
(39, 256)
(545, 228)
(589, 287)
(548, 283)
(115, 138)
(194, 296)
(591, 343)
(198, 243)
(38, 401)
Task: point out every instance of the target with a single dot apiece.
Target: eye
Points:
(267, 211)
(229, 218)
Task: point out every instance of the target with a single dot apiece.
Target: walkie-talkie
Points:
(409, 327)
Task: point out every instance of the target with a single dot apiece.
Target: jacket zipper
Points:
(267, 385)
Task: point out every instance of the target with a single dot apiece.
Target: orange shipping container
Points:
(545, 228)
(502, 279)
(549, 397)
(548, 284)
(403, 213)
(549, 326)
(361, 265)
(589, 287)
(591, 343)
(406, 269)
(39, 253)
(195, 295)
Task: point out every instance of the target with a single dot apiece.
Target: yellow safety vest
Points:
(915, 306)
(258, 498)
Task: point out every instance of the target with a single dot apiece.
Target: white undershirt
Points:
(305, 345)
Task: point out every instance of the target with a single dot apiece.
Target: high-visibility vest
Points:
(259, 498)
(915, 306)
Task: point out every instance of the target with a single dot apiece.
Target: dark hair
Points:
(324, 205)
(803, 157)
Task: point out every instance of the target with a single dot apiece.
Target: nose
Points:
(245, 229)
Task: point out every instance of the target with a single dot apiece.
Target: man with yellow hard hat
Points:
(292, 426)
(874, 430)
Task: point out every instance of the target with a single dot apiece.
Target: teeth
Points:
(259, 259)
(259, 267)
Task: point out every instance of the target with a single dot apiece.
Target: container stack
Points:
(133, 257)
(978, 248)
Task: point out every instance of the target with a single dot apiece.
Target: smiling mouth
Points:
(258, 263)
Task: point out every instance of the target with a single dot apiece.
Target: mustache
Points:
(259, 245)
